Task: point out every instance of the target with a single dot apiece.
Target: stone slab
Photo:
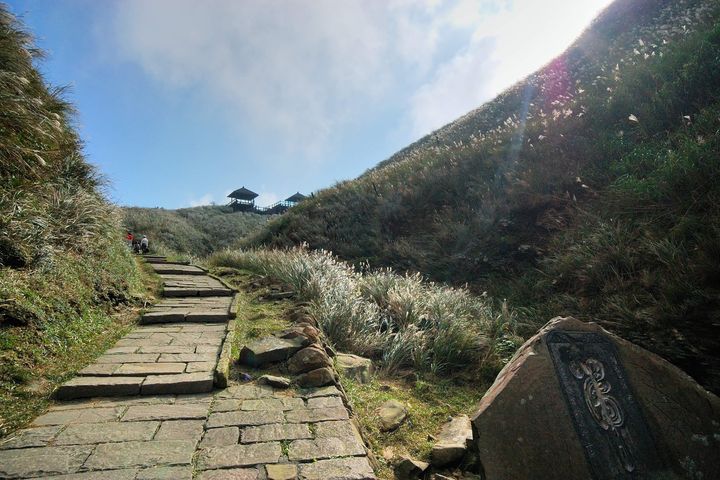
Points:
(182, 383)
(141, 454)
(239, 455)
(30, 437)
(230, 474)
(128, 358)
(83, 434)
(275, 432)
(226, 419)
(86, 415)
(220, 437)
(356, 468)
(42, 462)
(311, 415)
(145, 369)
(183, 411)
(180, 430)
(306, 450)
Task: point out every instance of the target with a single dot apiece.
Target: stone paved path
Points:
(246, 431)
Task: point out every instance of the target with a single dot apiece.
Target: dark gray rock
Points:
(409, 469)
(307, 359)
(270, 349)
(317, 378)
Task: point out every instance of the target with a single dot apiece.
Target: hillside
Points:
(67, 279)
(589, 188)
(194, 231)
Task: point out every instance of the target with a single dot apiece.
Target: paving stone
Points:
(204, 398)
(144, 369)
(180, 430)
(194, 367)
(187, 357)
(182, 383)
(141, 342)
(128, 401)
(341, 428)
(305, 450)
(325, 402)
(275, 431)
(357, 468)
(163, 317)
(220, 437)
(281, 471)
(128, 358)
(245, 392)
(43, 461)
(330, 390)
(141, 454)
(263, 404)
(98, 370)
(165, 473)
(311, 415)
(230, 474)
(207, 349)
(30, 437)
(239, 455)
(115, 350)
(176, 349)
(106, 432)
(166, 412)
(226, 419)
(124, 474)
(87, 415)
(207, 316)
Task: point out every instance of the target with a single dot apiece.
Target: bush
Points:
(402, 320)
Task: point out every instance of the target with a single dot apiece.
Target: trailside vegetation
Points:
(65, 272)
(401, 321)
(590, 189)
(195, 231)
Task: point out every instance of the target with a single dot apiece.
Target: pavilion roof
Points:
(243, 194)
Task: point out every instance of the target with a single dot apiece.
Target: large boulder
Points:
(358, 368)
(391, 415)
(307, 359)
(577, 402)
(270, 349)
(453, 441)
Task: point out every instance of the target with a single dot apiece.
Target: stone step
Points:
(192, 316)
(196, 292)
(116, 386)
(176, 269)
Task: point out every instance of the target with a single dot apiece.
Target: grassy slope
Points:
(191, 231)
(66, 278)
(554, 196)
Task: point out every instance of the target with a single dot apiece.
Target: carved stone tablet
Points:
(608, 421)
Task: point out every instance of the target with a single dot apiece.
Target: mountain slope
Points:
(195, 231)
(65, 272)
(589, 188)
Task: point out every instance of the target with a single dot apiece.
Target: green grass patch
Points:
(431, 401)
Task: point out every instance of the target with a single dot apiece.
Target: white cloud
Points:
(297, 73)
(206, 199)
(510, 39)
(265, 199)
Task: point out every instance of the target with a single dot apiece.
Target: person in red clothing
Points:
(129, 238)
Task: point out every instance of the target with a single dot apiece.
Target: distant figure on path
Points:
(144, 245)
(129, 237)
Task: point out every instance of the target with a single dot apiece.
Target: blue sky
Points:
(180, 102)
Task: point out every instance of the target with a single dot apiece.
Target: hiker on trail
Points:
(129, 238)
(144, 244)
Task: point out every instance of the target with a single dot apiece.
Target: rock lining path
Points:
(157, 418)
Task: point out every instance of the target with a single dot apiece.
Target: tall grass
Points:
(64, 268)
(401, 320)
(193, 231)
